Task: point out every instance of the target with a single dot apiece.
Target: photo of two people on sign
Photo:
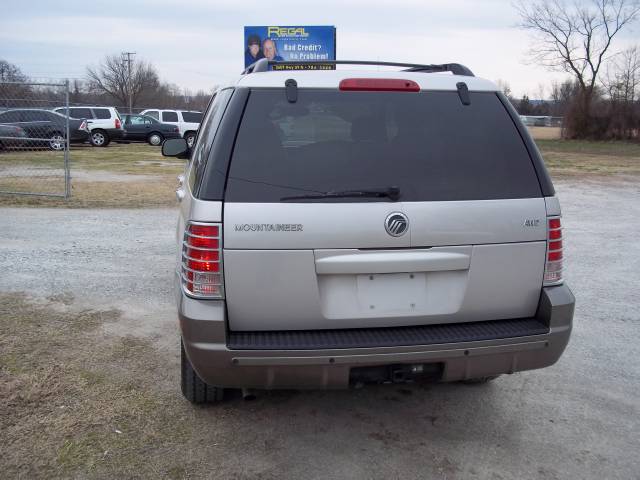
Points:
(257, 49)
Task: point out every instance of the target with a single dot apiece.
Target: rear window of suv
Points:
(169, 117)
(80, 113)
(192, 117)
(102, 113)
(427, 144)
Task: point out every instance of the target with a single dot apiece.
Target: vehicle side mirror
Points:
(175, 147)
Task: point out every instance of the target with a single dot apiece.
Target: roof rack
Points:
(263, 65)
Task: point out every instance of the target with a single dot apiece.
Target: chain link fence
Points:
(34, 141)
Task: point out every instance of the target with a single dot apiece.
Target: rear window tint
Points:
(169, 117)
(428, 144)
(35, 116)
(192, 117)
(102, 113)
(207, 134)
(9, 117)
(80, 113)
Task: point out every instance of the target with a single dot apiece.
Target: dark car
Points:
(143, 128)
(12, 136)
(45, 128)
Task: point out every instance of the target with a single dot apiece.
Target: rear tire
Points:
(99, 138)
(480, 380)
(194, 388)
(155, 139)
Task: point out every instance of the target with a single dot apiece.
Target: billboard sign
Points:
(291, 44)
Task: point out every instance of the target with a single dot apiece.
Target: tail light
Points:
(202, 260)
(118, 124)
(176, 130)
(83, 125)
(553, 266)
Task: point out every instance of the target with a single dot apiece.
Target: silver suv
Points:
(343, 227)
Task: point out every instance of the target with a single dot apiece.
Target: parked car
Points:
(143, 128)
(105, 123)
(371, 226)
(187, 121)
(12, 136)
(46, 128)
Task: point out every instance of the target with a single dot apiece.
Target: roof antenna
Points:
(291, 88)
(463, 93)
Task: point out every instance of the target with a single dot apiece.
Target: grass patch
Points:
(156, 192)
(76, 404)
(579, 158)
(608, 149)
(118, 176)
(134, 158)
(138, 176)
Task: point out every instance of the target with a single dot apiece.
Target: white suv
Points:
(104, 123)
(187, 121)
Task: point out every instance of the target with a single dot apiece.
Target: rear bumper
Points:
(206, 342)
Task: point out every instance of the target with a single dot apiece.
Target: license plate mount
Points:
(391, 292)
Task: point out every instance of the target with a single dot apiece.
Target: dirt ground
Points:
(89, 370)
(545, 133)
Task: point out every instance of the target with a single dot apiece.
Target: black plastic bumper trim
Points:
(386, 337)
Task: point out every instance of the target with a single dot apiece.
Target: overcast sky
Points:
(198, 43)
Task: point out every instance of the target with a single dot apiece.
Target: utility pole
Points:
(126, 57)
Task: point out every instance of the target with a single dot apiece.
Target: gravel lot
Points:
(577, 419)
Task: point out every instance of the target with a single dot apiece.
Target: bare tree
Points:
(504, 87)
(622, 84)
(11, 73)
(12, 89)
(561, 95)
(576, 38)
(113, 78)
(622, 80)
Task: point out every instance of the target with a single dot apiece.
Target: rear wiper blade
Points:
(393, 193)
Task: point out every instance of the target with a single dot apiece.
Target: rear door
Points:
(38, 123)
(171, 117)
(307, 245)
(137, 126)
